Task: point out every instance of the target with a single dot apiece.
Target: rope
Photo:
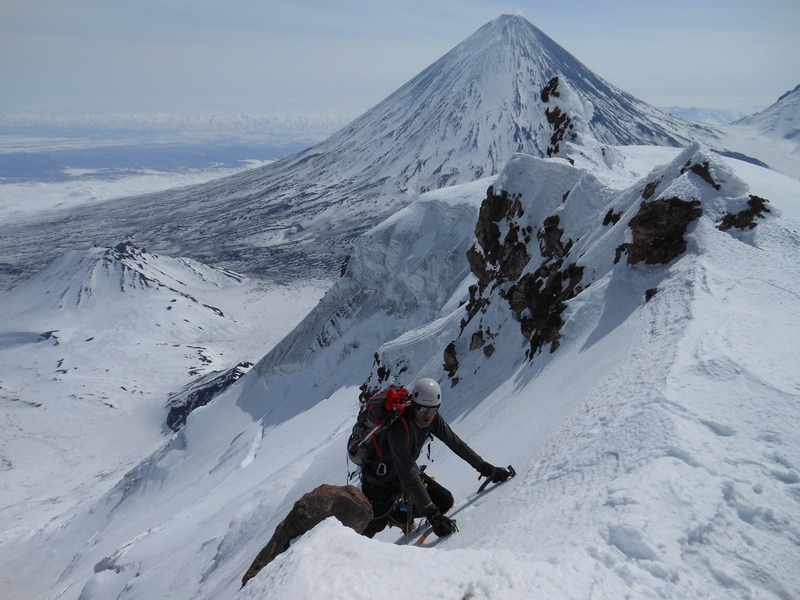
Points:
(397, 503)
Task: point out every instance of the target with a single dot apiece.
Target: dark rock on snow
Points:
(201, 392)
(346, 503)
(745, 219)
(658, 231)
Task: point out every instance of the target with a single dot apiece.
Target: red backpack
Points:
(376, 414)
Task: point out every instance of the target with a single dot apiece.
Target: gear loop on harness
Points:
(382, 469)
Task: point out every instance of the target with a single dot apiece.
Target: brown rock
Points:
(658, 231)
(611, 218)
(493, 259)
(477, 340)
(745, 219)
(650, 189)
(703, 171)
(450, 359)
(346, 503)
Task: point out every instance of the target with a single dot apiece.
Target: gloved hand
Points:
(496, 474)
(442, 525)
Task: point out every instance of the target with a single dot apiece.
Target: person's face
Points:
(423, 415)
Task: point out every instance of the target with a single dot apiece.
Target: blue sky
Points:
(245, 56)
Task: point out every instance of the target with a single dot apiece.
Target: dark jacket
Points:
(402, 444)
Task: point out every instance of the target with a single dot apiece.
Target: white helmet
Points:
(427, 392)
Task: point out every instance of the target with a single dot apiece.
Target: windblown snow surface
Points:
(657, 447)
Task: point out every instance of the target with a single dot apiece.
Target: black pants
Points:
(383, 499)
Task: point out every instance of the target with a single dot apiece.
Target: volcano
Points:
(460, 119)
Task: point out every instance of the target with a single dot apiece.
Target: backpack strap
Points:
(377, 443)
(407, 428)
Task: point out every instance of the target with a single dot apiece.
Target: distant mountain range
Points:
(711, 116)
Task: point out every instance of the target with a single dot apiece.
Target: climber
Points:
(401, 477)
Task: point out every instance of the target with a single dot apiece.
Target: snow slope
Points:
(781, 120)
(90, 349)
(771, 135)
(656, 443)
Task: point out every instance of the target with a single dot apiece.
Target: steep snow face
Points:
(771, 136)
(781, 120)
(643, 467)
(90, 349)
(556, 232)
(573, 230)
(461, 119)
(404, 271)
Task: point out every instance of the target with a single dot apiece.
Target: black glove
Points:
(442, 525)
(495, 474)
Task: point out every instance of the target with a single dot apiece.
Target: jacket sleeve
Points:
(407, 469)
(443, 431)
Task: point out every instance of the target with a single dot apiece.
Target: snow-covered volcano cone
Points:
(460, 119)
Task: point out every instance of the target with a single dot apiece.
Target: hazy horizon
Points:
(210, 57)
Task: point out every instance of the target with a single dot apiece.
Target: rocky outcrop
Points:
(201, 392)
(650, 189)
(450, 360)
(539, 298)
(560, 122)
(499, 255)
(745, 219)
(703, 171)
(611, 218)
(496, 258)
(346, 503)
(659, 230)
